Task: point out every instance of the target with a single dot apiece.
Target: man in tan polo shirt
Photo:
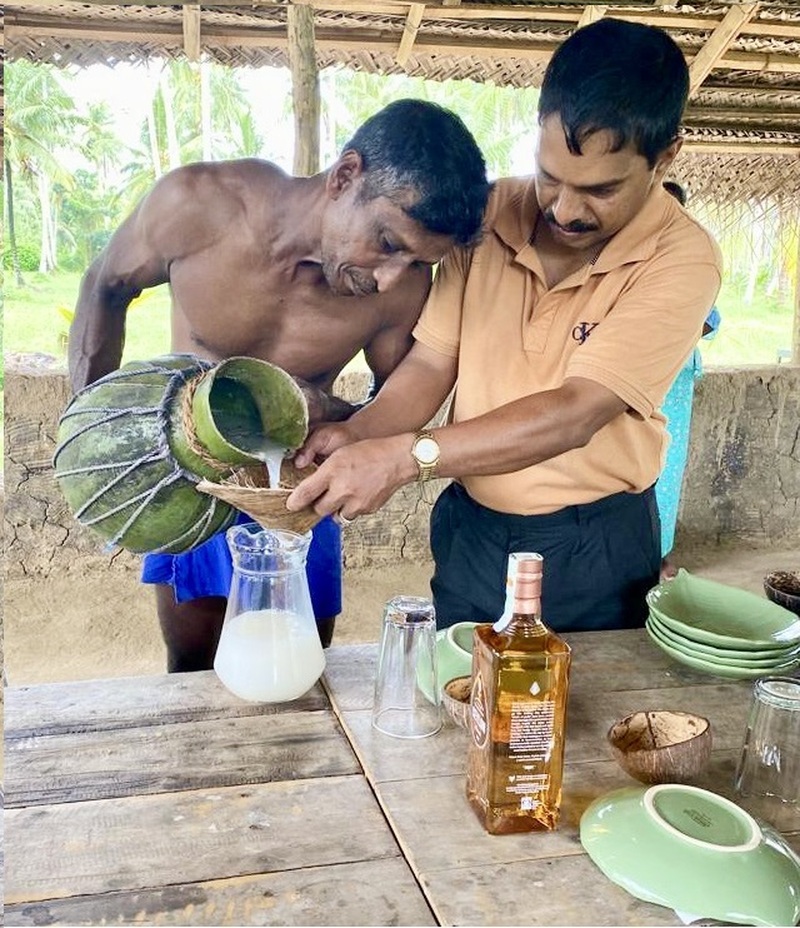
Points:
(561, 332)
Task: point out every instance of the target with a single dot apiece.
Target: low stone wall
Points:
(742, 480)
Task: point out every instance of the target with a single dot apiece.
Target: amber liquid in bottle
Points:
(520, 674)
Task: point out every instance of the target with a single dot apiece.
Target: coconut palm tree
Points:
(39, 119)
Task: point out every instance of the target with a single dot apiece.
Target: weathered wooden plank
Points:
(439, 831)
(589, 716)
(564, 891)
(625, 660)
(190, 755)
(151, 842)
(376, 892)
(94, 705)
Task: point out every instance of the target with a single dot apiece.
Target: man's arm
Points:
(177, 217)
(360, 477)
(127, 266)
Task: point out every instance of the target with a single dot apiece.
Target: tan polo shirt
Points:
(628, 322)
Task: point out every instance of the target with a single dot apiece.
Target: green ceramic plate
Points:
(692, 850)
(766, 658)
(713, 613)
(720, 670)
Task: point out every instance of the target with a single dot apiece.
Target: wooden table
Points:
(165, 800)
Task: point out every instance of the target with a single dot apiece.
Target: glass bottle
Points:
(520, 677)
(269, 649)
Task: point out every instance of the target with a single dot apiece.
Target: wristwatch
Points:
(425, 452)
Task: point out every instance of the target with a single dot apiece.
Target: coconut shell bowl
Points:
(783, 588)
(248, 489)
(455, 699)
(661, 746)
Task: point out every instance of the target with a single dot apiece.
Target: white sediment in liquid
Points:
(269, 655)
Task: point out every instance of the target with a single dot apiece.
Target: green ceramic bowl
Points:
(689, 849)
(715, 667)
(743, 659)
(716, 614)
(453, 653)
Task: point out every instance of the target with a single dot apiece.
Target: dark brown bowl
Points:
(661, 746)
(783, 588)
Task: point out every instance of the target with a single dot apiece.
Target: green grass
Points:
(34, 322)
(749, 334)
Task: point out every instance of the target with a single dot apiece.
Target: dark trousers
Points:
(599, 559)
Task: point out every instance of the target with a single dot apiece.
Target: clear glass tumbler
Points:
(768, 774)
(407, 700)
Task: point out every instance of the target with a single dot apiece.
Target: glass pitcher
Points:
(269, 649)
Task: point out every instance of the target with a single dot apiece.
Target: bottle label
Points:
(529, 747)
(478, 715)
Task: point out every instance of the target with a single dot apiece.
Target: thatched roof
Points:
(742, 125)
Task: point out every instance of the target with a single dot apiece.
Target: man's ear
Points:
(347, 169)
(667, 156)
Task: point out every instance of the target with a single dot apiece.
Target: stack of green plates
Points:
(722, 630)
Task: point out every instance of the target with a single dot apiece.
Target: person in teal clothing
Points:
(677, 407)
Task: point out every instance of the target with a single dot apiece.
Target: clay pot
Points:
(133, 446)
(661, 746)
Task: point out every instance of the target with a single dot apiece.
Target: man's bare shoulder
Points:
(193, 186)
(192, 206)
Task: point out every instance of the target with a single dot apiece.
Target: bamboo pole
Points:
(305, 88)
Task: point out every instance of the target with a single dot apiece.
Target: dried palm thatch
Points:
(248, 490)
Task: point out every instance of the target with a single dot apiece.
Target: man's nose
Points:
(388, 274)
(567, 207)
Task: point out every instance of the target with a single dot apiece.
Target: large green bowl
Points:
(744, 659)
(693, 851)
(732, 672)
(717, 614)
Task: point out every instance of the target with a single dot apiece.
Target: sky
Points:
(129, 88)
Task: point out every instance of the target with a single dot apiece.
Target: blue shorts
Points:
(207, 570)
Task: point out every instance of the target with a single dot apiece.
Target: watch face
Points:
(426, 450)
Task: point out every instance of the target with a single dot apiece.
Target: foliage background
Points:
(74, 170)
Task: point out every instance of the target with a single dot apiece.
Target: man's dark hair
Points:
(413, 145)
(674, 188)
(627, 78)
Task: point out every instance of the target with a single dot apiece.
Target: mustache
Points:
(362, 285)
(576, 226)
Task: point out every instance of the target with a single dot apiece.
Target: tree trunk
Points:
(155, 155)
(12, 232)
(46, 256)
(173, 148)
(205, 109)
(305, 89)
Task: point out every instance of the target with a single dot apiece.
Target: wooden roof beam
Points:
(25, 25)
(413, 19)
(191, 31)
(718, 43)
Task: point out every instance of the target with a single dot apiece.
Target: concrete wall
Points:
(742, 479)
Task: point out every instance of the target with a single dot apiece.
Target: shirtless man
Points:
(303, 272)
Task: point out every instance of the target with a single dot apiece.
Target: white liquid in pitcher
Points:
(269, 655)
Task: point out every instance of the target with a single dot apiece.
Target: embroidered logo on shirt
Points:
(582, 331)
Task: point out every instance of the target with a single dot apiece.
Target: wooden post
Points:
(305, 88)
